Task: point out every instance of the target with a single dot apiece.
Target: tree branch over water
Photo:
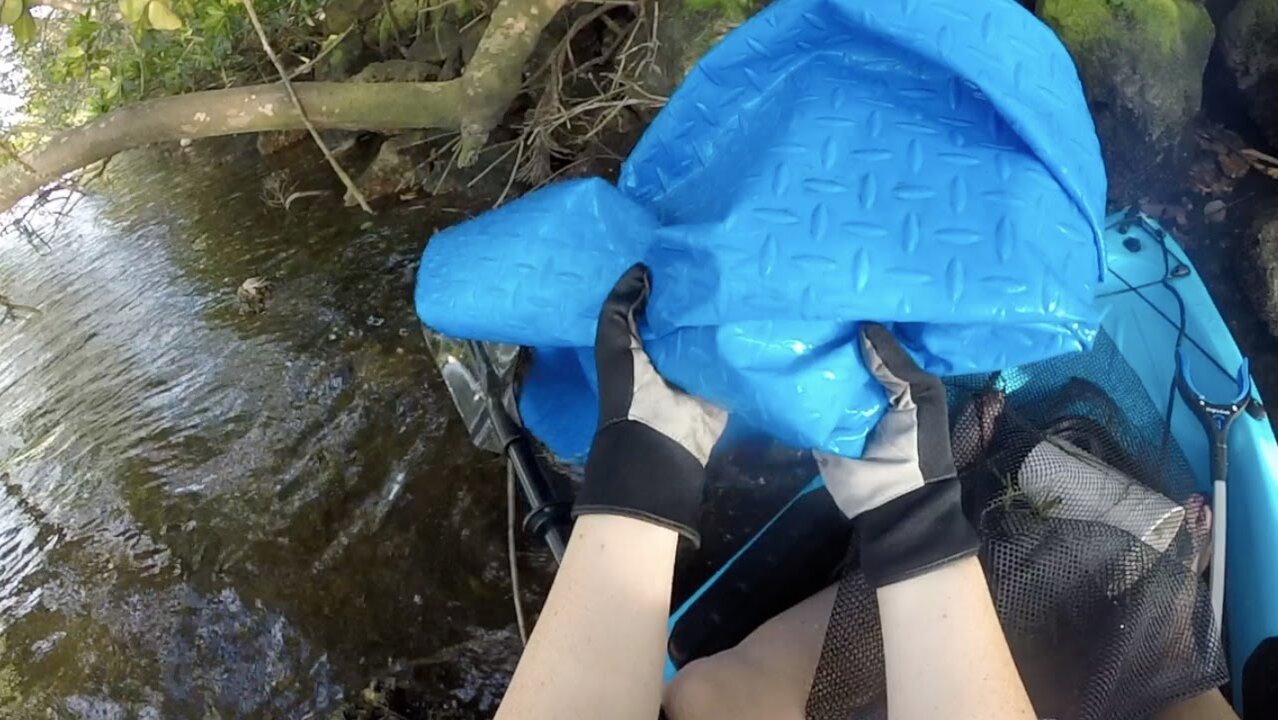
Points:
(473, 104)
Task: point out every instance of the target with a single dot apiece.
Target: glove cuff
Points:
(637, 472)
(914, 533)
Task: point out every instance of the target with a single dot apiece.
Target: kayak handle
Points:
(1217, 419)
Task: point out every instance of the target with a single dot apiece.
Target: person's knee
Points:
(698, 691)
(731, 686)
(766, 677)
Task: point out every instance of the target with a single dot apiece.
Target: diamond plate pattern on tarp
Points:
(927, 163)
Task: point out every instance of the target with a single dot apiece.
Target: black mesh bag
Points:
(1093, 543)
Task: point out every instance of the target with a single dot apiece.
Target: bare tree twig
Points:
(288, 201)
(456, 145)
(511, 180)
(310, 127)
(514, 145)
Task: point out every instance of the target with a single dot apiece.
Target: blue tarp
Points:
(925, 163)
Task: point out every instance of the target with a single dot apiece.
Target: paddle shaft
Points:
(1219, 507)
(543, 519)
(547, 517)
(1218, 420)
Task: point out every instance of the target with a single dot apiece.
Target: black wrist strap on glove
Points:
(915, 533)
(902, 493)
(649, 454)
(645, 475)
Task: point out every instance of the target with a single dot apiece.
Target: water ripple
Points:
(204, 511)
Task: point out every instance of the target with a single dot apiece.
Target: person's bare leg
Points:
(1210, 705)
(767, 676)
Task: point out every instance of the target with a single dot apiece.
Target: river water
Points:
(211, 514)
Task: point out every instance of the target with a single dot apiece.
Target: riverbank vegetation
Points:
(521, 90)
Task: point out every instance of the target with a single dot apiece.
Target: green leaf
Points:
(329, 42)
(24, 30)
(162, 17)
(83, 30)
(214, 17)
(133, 10)
(10, 11)
(385, 33)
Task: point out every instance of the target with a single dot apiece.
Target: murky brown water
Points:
(206, 514)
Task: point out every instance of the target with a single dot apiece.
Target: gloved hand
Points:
(649, 454)
(903, 492)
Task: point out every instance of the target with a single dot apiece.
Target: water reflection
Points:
(205, 513)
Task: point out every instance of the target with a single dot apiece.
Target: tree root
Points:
(562, 124)
(472, 104)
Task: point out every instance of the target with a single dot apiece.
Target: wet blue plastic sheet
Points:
(926, 163)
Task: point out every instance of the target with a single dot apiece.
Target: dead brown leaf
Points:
(1219, 140)
(1234, 165)
(1207, 178)
(1227, 146)
(1215, 211)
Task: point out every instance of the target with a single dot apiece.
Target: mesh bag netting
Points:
(1093, 545)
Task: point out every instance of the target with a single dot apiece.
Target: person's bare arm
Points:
(944, 651)
(599, 648)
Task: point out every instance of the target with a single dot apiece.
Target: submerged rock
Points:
(269, 143)
(1249, 45)
(1261, 247)
(1142, 64)
(397, 167)
(253, 294)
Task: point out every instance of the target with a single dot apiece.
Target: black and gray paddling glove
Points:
(648, 458)
(903, 492)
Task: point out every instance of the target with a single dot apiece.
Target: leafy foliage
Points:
(735, 11)
(147, 14)
(84, 64)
